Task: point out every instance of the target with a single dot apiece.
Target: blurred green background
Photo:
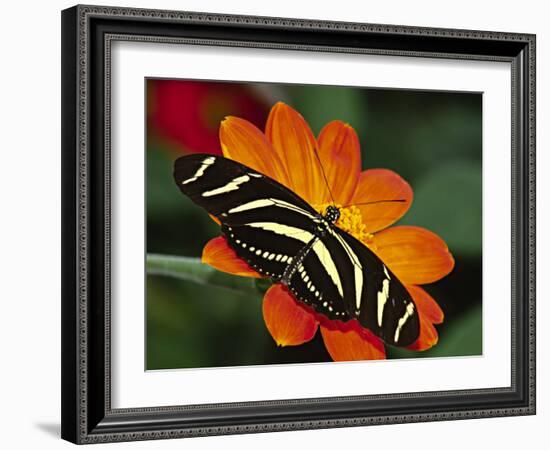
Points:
(432, 139)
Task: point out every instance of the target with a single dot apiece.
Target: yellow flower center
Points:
(350, 221)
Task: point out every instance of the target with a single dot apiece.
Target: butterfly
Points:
(284, 238)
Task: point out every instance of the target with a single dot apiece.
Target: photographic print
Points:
(306, 223)
(335, 201)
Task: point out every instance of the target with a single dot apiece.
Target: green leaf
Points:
(162, 193)
(322, 104)
(447, 201)
(192, 269)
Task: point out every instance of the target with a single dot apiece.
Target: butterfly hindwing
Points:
(267, 252)
(342, 279)
(324, 279)
(313, 285)
(385, 306)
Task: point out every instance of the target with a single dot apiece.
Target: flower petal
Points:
(243, 142)
(381, 184)
(287, 322)
(414, 254)
(218, 254)
(352, 345)
(215, 219)
(293, 141)
(426, 305)
(428, 336)
(340, 155)
(429, 313)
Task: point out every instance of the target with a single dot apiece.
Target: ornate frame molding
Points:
(88, 32)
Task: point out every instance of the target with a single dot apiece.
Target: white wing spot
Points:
(200, 171)
(285, 230)
(327, 262)
(382, 299)
(357, 268)
(409, 312)
(233, 185)
(266, 202)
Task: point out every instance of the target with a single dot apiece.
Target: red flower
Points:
(186, 114)
(286, 152)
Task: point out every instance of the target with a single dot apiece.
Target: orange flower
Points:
(286, 152)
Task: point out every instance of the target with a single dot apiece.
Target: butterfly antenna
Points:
(376, 201)
(324, 175)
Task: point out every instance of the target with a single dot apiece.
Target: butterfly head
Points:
(332, 214)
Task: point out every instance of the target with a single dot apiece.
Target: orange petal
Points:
(243, 142)
(381, 184)
(429, 313)
(288, 323)
(340, 154)
(293, 141)
(352, 345)
(428, 336)
(414, 254)
(218, 254)
(426, 305)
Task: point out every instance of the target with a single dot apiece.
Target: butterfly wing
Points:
(263, 221)
(343, 279)
(320, 281)
(283, 237)
(380, 302)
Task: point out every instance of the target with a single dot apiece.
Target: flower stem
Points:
(192, 269)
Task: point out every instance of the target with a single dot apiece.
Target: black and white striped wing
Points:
(283, 237)
(342, 279)
(266, 223)
(386, 307)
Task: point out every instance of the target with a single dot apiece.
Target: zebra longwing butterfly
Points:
(282, 237)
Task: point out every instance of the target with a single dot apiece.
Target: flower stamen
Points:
(351, 221)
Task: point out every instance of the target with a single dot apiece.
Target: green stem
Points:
(192, 269)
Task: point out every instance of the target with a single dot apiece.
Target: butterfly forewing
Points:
(283, 237)
(385, 306)
(235, 193)
(266, 223)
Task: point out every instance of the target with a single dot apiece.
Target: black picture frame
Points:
(87, 33)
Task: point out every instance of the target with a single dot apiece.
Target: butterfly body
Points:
(284, 238)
